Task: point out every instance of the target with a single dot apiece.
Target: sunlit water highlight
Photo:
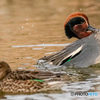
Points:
(39, 45)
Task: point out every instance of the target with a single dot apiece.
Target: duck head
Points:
(4, 69)
(76, 25)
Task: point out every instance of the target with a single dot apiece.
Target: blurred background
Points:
(33, 22)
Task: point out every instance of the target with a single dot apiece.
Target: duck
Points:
(82, 53)
(26, 81)
(75, 25)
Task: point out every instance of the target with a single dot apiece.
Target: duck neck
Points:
(97, 35)
(4, 74)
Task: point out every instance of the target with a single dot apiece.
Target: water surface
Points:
(30, 23)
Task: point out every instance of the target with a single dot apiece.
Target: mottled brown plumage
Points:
(25, 81)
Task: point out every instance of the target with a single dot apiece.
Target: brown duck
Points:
(24, 81)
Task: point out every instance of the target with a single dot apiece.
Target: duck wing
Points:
(67, 52)
(81, 52)
(26, 75)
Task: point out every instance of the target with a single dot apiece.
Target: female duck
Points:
(24, 81)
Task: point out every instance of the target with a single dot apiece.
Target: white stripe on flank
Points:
(72, 54)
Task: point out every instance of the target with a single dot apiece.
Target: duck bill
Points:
(90, 28)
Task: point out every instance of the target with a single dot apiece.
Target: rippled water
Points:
(31, 29)
(82, 80)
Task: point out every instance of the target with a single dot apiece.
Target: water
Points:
(39, 45)
(31, 29)
(82, 80)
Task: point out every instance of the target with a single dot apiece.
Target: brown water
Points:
(34, 22)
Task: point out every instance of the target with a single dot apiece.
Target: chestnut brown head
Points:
(76, 25)
(4, 69)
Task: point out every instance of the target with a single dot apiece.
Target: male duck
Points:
(83, 52)
(76, 24)
(24, 81)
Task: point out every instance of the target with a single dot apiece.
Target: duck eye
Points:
(81, 22)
